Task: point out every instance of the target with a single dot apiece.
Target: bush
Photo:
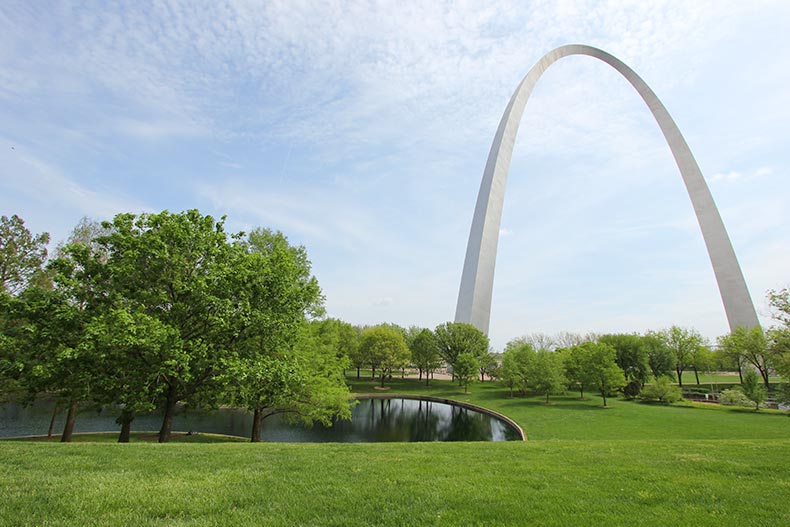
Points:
(632, 389)
(662, 390)
(734, 397)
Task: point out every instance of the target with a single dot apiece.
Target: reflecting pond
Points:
(373, 420)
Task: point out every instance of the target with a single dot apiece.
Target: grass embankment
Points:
(631, 464)
(423, 484)
(149, 437)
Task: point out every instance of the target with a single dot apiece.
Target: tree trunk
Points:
(126, 426)
(427, 378)
(382, 377)
(740, 371)
(170, 410)
(357, 373)
(547, 397)
(372, 372)
(68, 430)
(52, 421)
(680, 377)
(420, 373)
(603, 394)
(696, 374)
(257, 424)
(581, 391)
(764, 373)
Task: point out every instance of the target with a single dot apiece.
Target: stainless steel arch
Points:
(474, 297)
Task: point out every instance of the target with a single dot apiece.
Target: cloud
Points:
(385, 301)
(735, 175)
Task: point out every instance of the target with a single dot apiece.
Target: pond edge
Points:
(469, 406)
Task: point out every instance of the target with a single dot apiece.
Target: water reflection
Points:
(373, 420)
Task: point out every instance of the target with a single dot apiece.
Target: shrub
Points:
(734, 397)
(662, 390)
(632, 389)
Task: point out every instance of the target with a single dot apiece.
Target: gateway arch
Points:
(474, 297)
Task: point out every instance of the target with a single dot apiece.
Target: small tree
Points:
(515, 365)
(751, 346)
(683, 343)
(385, 348)
(545, 374)
(662, 390)
(600, 370)
(573, 361)
(466, 367)
(425, 353)
(659, 357)
(752, 388)
(631, 356)
(454, 338)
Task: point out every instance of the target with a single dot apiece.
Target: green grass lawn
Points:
(716, 483)
(569, 418)
(632, 464)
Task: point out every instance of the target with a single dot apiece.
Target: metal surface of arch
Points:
(474, 297)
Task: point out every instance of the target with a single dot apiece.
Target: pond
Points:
(373, 420)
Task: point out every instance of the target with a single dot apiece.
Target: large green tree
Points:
(466, 368)
(683, 343)
(130, 351)
(385, 348)
(22, 254)
(659, 357)
(514, 370)
(183, 270)
(425, 353)
(454, 338)
(632, 356)
(750, 346)
(545, 374)
(599, 369)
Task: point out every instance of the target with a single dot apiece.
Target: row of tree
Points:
(160, 310)
(461, 347)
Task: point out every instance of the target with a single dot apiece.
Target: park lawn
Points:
(706, 378)
(632, 464)
(567, 417)
(615, 482)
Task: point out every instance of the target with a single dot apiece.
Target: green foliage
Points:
(779, 302)
(599, 369)
(465, 368)
(545, 373)
(514, 371)
(683, 343)
(425, 352)
(130, 351)
(454, 338)
(659, 357)
(385, 349)
(572, 361)
(632, 355)
(662, 390)
(734, 397)
(753, 388)
(750, 346)
(21, 253)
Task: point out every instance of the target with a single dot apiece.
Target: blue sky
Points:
(361, 131)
